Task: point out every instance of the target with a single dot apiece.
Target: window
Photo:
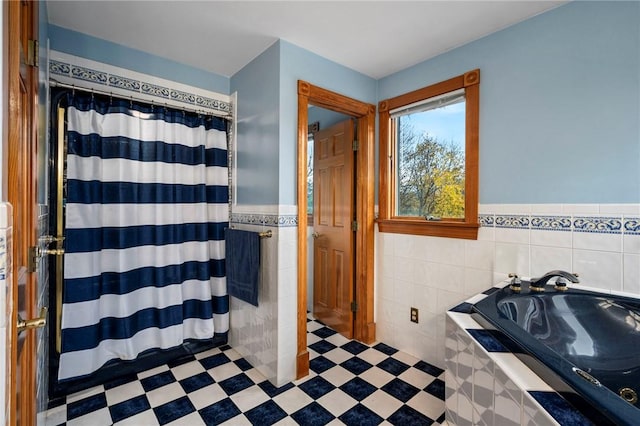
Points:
(310, 178)
(429, 160)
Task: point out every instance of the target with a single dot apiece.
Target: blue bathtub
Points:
(586, 345)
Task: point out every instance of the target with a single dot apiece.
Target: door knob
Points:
(39, 322)
(316, 235)
(56, 252)
(48, 239)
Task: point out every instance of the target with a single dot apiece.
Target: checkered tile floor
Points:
(349, 383)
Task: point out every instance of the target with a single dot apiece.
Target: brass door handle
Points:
(39, 322)
(316, 235)
(48, 239)
(55, 252)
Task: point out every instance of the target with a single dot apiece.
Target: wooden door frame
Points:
(364, 326)
(22, 131)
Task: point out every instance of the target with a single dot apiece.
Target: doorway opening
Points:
(363, 220)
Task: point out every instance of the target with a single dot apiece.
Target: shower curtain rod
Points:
(56, 83)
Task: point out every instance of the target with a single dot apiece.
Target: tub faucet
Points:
(537, 284)
(515, 285)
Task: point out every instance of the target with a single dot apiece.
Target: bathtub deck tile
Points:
(464, 308)
(534, 415)
(563, 412)
(494, 341)
(519, 373)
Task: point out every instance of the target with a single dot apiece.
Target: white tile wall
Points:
(253, 330)
(267, 335)
(6, 307)
(434, 274)
(287, 305)
(42, 336)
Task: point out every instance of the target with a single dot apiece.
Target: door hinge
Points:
(354, 226)
(32, 53)
(356, 145)
(354, 307)
(32, 261)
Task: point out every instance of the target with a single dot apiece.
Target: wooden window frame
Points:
(388, 221)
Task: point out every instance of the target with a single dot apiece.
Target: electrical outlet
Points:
(414, 315)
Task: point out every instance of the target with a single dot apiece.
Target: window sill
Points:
(468, 231)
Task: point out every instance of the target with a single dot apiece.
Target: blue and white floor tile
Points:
(349, 383)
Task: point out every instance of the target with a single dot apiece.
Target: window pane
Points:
(431, 162)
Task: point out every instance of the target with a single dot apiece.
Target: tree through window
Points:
(429, 137)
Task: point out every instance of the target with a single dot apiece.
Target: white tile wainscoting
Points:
(599, 242)
(6, 308)
(266, 335)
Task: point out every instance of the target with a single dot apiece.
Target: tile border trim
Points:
(279, 221)
(600, 224)
(79, 71)
(596, 224)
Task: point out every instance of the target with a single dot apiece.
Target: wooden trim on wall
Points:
(364, 328)
(21, 143)
(11, 12)
(302, 356)
(472, 185)
(384, 138)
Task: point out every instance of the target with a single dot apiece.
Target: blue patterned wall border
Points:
(486, 220)
(283, 221)
(590, 224)
(632, 225)
(551, 223)
(602, 225)
(605, 225)
(137, 86)
(87, 74)
(512, 221)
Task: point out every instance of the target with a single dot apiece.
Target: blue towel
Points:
(242, 251)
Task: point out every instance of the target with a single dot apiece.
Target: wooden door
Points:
(22, 162)
(333, 213)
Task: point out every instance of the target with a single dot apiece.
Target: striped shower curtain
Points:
(146, 208)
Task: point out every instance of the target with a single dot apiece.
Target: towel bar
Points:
(265, 234)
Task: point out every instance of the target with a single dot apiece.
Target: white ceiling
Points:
(376, 38)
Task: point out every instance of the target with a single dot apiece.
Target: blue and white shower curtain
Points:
(146, 209)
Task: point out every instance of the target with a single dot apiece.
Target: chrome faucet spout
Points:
(537, 284)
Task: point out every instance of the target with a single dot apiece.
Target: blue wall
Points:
(296, 64)
(559, 118)
(559, 104)
(86, 46)
(325, 117)
(258, 88)
(268, 117)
